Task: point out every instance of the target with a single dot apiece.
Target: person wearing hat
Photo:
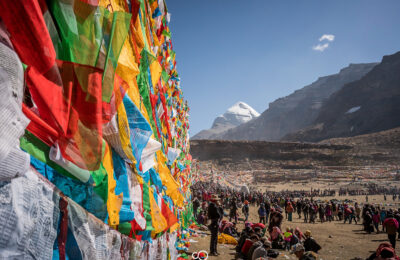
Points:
(310, 244)
(302, 254)
(214, 216)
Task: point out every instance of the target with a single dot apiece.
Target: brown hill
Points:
(378, 149)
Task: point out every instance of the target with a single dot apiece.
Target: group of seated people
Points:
(254, 244)
(229, 228)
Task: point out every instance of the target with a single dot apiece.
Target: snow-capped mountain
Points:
(236, 115)
(297, 110)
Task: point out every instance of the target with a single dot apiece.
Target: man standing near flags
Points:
(214, 216)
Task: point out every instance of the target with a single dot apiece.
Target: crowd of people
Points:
(212, 202)
(370, 189)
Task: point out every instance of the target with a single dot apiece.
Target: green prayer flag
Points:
(90, 35)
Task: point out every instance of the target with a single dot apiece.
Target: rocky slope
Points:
(236, 115)
(368, 105)
(382, 148)
(296, 111)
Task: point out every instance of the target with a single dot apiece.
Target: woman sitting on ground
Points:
(276, 238)
(255, 245)
(247, 245)
(230, 229)
(246, 233)
(287, 237)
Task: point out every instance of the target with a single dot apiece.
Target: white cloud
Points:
(328, 37)
(320, 47)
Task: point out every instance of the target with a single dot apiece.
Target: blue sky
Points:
(256, 51)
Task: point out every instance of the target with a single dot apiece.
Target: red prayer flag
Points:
(29, 34)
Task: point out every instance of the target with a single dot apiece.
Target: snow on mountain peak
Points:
(237, 114)
(241, 108)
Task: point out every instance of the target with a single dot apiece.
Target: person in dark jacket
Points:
(262, 213)
(246, 233)
(214, 216)
(299, 206)
(310, 244)
(321, 213)
(245, 210)
(305, 209)
(233, 211)
(275, 220)
(368, 223)
(267, 211)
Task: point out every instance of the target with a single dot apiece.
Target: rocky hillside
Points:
(236, 115)
(381, 148)
(368, 105)
(296, 111)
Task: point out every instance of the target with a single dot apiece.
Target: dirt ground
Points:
(338, 240)
(318, 184)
